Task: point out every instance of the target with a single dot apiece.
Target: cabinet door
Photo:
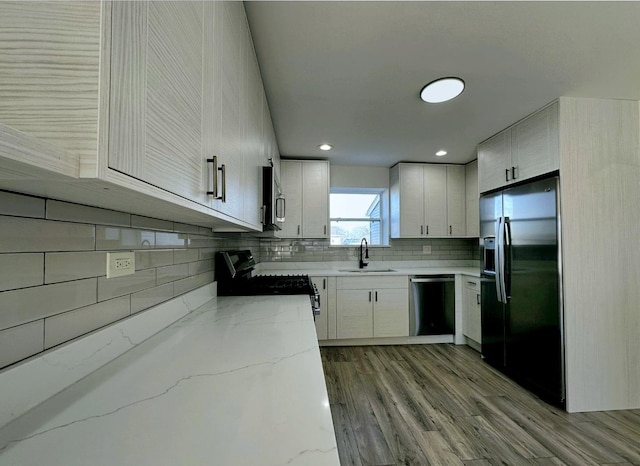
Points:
(230, 147)
(156, 95)
(535, 149)
(472, 210)
(411, 200)
(471, 322)
(254, 156)
(291, 180)
(212, 92)
(315, 199)
(435, 200)
(494, 158)
(355, 314)
(456, 201)
(322, 321)
(391, 313)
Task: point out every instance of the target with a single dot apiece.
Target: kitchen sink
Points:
(366, 270)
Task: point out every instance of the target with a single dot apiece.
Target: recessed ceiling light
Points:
(441, 90)
(325, 147)
(440, 153)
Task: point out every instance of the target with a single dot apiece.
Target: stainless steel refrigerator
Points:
(522, 321)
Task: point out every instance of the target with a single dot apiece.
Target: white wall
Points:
(359, 177)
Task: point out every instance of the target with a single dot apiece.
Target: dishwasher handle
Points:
(431, 280)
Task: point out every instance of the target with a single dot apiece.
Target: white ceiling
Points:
(350, 73)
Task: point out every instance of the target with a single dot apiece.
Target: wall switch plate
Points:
(426, 249)
(120, 264)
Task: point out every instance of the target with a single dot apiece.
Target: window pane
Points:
(352, 205)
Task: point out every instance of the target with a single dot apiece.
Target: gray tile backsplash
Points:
(53, 285)
(21, 270)
(65, 326)
(33, 235)
(442, 249)
(57, 210)
(20, 342)
(21, 206)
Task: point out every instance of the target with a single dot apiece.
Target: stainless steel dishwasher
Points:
(431, 305)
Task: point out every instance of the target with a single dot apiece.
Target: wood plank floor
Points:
(442, 405)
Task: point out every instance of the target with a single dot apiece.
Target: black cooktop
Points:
(234, 276)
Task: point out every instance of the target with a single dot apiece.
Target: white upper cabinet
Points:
(48, 125)
(156, 94)
(427, 200)
(305, 184)
(525, 150)
(472, 196)
(146, 93)
(291, 182)
(456, 201)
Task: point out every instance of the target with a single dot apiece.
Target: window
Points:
(356, 215)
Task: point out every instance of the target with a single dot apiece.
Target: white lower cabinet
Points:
(471, 320)
(372, 307)
(322, 321)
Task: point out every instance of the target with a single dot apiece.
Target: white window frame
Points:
(383, 219)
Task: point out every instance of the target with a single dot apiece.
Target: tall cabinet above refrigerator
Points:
(522, 322)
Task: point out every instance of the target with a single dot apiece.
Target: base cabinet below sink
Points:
(372, 307)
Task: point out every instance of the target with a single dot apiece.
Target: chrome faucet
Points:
(362, 264)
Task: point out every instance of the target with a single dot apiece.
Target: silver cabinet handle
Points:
(214, 176)
(506, 174)
(472, 283)
(281, 212)
(513, 173)
(263, 214)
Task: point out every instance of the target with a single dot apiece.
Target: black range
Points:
(234, 274)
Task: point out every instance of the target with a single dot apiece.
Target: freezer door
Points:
(492, 311)
(493, 323)
(533, 353)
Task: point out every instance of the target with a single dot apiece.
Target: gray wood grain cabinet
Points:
(134, 98)
(427, 200)
(525, 150)
(305, 184)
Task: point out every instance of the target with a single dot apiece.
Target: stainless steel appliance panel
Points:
(432, 305)
(533, 343)
(521, 301)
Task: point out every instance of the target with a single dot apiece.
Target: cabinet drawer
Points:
(378, 282)
(472, 283)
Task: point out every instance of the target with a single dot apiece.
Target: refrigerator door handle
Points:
(502, 247)
(498, 259)
(506, 288)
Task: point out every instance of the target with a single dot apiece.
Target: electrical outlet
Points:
(120, 264)
(426, 249)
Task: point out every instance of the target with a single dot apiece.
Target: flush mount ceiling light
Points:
(441, 90)
(440, 153)
(325, 147)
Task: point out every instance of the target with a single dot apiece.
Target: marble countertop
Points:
(238, 381)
